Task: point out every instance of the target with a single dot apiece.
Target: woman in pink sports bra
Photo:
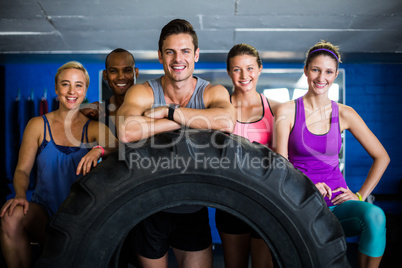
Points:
(255, 122)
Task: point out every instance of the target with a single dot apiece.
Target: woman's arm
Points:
(273, 106)
(350, 120)
(101, 135)
(284, 120)
(26, 158)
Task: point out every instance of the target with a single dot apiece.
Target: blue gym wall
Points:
(373, 90)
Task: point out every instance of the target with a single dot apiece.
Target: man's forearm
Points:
(135, 128)
(213, 118)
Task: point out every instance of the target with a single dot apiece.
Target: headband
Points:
(325, 50)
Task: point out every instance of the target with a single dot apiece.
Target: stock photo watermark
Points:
(201, 161)
(128, 153)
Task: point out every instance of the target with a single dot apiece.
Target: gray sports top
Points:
(196, 102)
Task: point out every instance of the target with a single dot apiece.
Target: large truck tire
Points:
(193, 167)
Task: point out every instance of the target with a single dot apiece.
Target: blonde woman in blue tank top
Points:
(308, 134)
(62, 144)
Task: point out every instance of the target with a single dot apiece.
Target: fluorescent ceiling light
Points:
(302, 30)
(27, 33)
(297, 93)
(277, 94)
(333, 92)
(281, 54)
(302, 82)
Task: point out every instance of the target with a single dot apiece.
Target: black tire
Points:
(271, 196)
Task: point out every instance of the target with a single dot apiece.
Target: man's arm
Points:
(219, 113)
(94, 110)
(132, 124)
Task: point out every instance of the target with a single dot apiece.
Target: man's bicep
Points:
(130, 109)
(217, 97)
(136, 101)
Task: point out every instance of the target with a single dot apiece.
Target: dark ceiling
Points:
(282, 30)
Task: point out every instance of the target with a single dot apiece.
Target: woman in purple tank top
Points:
(61, 142)
(255, 121)
(308, 134)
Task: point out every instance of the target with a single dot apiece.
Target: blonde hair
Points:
(323, 48)
(73, 65)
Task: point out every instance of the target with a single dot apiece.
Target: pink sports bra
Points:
(260, 131)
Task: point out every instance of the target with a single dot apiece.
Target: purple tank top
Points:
(317, 156)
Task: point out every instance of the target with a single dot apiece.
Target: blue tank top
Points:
(196, 102)
(317, 156)
(56, 167)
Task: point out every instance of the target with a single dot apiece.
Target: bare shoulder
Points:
(214, 92)
(138, 98)
(285, 108)
(215, 88)
(348, 114)
(274, 105)
(139, 95)
(140, 90)
(34, 130)
(217, 96)
(349, 118)
(345, 110)
(36, 122)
